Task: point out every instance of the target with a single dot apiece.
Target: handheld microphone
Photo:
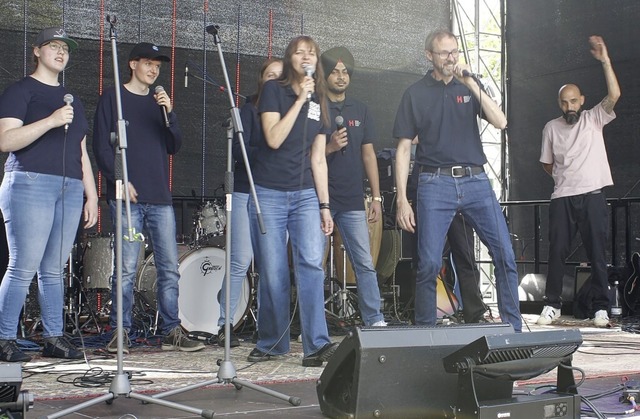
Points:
(310, 71)
(339, 125)
(68, 100)
(186, 76)
(164, 108)
(466, 73)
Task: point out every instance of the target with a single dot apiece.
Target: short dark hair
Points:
(436, 35)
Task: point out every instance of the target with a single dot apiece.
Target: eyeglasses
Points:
(445, 54)
(58, 47)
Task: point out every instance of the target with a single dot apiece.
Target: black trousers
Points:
(589, 215)
(459, 247)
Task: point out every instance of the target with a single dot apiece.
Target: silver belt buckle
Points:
(453, 171)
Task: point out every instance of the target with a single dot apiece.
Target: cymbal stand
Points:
(348, 302)
(120, 385)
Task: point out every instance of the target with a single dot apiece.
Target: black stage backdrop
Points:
(547, 46)
(386, 39)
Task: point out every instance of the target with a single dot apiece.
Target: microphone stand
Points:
(227, 372)
(120, 385)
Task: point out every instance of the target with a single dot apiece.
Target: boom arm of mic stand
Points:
(235, 118)
(209, 81)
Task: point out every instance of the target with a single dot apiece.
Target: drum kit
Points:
(201, 267)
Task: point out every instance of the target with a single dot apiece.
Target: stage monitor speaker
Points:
(398, 372)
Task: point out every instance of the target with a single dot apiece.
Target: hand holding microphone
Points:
(309, 71)
(340, 125)
(68, 100)
(159, 90)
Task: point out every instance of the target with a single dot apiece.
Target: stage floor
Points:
(608, 357)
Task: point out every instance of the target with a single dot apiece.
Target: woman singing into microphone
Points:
(290, 172)
(41, 196)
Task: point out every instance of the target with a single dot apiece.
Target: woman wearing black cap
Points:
(41, 196)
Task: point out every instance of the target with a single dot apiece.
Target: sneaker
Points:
(10, 352)
(177, 340)
(257, 355)
(233, 342)
(601, 319)
(380, 323)
(317, 358)
(548, 315)
(112, 346)
(60, 347)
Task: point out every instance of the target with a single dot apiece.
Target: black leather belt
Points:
(453, 171)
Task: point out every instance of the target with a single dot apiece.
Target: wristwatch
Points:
(377, 198)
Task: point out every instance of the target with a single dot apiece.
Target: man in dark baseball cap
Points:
(55, 34)
(147, 50)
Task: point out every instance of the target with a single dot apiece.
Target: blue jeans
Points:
(292, 214)
(241, 254)
(41, 219)
(355, 237)
(160, 224)
(439, 198)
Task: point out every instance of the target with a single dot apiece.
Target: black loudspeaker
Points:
(398, 372)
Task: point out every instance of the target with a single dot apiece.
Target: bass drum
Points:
(202, 272)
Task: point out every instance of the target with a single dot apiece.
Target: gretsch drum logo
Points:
(206, 267)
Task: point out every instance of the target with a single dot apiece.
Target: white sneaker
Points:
(548, 315)
(380, 323)
(601, 319)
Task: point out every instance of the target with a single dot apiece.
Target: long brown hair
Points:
(263, 68)
(289, 75)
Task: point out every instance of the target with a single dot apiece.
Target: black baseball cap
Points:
(147, 50)
(55, 34)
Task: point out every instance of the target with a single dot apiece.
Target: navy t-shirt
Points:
(288, 168)
(346, 172)
(252, 136)
(29, 100)
(149, 142)
(444, 117)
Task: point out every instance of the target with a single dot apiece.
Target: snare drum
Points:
(202, 271)
(210, 220)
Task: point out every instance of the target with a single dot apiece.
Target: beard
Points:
(572, 116)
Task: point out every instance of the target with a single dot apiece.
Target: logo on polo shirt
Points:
(463, 99)
(353, 123)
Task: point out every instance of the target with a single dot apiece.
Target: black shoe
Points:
(316, 359)
(258, 356)
(60, 347)
(233, 342)
(9, 352)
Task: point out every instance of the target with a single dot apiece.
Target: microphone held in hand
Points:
(309, 71)
(466, 73)
(339, 125)
(68, 100)
(164, 108)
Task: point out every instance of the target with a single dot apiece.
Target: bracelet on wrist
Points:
(325, 205)
(377, 198)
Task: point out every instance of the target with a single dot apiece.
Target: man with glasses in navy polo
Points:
(442, 109)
